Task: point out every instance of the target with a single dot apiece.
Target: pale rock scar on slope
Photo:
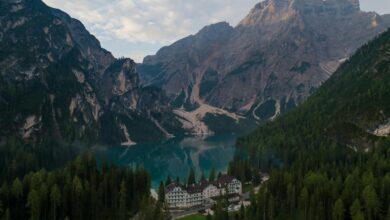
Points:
(194, 120)
(128, 141)
(382, 130)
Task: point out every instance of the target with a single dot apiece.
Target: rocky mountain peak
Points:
(268, 11)
(330, 7)
(217, 27)
(60, 78)
(281, 10)
(208, 35)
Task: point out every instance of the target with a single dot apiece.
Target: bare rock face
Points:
(120, 78)
(184, 60)
(90, 46)
(56, 82)
(280, 53)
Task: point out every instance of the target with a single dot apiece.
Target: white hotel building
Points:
(179, 196)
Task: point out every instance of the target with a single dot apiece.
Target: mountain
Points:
(329, 158)
(351, 110)
(278, 55)
(57, 83)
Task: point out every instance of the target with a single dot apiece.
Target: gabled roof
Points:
(172, 186)
(196, 188)
(224, 180)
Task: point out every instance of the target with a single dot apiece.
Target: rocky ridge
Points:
(58, 83)
(278, 55)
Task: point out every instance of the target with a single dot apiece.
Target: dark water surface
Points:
(175, 157)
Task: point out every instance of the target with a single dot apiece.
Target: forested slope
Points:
(346, 111)
(330, 157)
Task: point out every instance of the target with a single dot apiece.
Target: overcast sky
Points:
(135, 28)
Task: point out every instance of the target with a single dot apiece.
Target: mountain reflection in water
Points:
(175, 157)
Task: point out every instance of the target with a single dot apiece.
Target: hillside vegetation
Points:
(324, 158)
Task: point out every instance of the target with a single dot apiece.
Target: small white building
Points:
(211, 191)
(179, 196)
(195, 195)
(229, 183)
(176, 196)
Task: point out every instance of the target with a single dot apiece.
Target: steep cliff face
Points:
(273, 59)
(177, 68)
(350, 110)
(89, 45)
(58, 83)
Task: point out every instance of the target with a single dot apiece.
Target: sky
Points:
(136, 28)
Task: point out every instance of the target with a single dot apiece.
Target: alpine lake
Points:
(174, 157)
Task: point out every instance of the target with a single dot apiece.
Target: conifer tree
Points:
(338, 210)
(371, 203)
(34, 204)
(161, 193)
(191, 177)
(17, 188)
(55, 199)
(212, 174)
(168, 181)
(1, 208)
(202, 177)
(123, 199)
(304, 203)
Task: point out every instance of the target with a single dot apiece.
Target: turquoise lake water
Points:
(175, 157)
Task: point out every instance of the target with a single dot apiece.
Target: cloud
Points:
(154, 22)
(379, 6)
(151, 24)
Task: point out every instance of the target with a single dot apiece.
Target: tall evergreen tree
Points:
(7, 215)
(202, 177)
(55, 199)
(168, 181)
(220, 212)
(388, 213)
(44, 195)
(371, 203)
(212, 174)
(271, 208)
(338, 210)
(242, 212)
(17, 188)
(191, 177)
(77, 190)
(34, 204)
(123, 200)
(161, 193)
(1, 208)
(356, 209)
(304, 203)
(177, 179)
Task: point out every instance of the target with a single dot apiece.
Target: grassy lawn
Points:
(247, 188)
(194, 217)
